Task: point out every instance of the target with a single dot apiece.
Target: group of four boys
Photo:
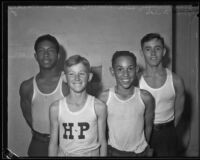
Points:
(67, 121)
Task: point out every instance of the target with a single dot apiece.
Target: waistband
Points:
(148, 152)
(44, 137)
(163, 125)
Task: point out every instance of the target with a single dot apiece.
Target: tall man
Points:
(38, 92)
(168, 90)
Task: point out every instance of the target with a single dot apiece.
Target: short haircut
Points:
(49, 38)
(123, 53)
(151, 36)
(76, 59)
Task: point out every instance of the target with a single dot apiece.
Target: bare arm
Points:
(25, 92)
(101, 112)
(104, 96)
(179, 99)
(54, 126)
(149, 113)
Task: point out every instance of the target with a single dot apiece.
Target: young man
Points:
(130, 110)
(78, 121)
(38, 92)
(168, 91)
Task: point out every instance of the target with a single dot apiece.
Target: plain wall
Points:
(95, 32)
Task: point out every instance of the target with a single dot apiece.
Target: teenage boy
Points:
(130, 110)
(168, 90)
(78, 121)
(38, 92)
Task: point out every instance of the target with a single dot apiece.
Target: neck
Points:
(124, 92)
(77, 98)
(152, 70)
(48, 73)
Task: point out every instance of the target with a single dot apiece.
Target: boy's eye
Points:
(119, 69)
(82, 74)
(70, 74)
(147, 49)
(130, 68)
(158, 48)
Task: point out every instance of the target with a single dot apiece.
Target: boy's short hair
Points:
(76, 59)
(123, 53)
(151, 36)
(49, 38)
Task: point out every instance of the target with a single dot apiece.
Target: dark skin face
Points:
(124, 70)
(47, 55)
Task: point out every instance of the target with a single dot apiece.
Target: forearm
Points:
(103, 149)
(147, 132)
(177, 117)
(53, 150)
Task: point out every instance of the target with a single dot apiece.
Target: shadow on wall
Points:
(63, 56)
(95, 85)
(183, 128)
(166, 59)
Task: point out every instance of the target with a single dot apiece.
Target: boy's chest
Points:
(156, 81)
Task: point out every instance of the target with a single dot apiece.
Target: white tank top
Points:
(40, 106)
(126, 122)
(164, 98)
(78, 130)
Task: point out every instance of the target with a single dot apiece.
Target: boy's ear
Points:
(90, 76)
(137, 69)
(35, 55)
(112, 71)
(59, 55)
(141, 52)
(164, 51)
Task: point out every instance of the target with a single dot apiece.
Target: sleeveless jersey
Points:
(126, 122)
(164, 98)
(78, 131)
(41, 103)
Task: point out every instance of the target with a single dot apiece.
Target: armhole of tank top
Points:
(140, 97)
(93, 106)
(34, 89)
(170, 76)
(59, 110)
(109, 96)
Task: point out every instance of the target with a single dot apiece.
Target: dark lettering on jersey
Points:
(69, 129)
(84, 126)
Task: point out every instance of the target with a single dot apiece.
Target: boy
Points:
(78, 121)
(38, 92)
(130, 110)
(168, 90)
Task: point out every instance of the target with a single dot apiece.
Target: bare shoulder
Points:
(177, 80)
(26, 87)
(54, 106)
(99, 103)
(100, 107)
(146, 96)
(104, 95)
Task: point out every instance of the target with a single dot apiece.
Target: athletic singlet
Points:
(78, 132)
(41, 103)
(164, 97)
(126, 122)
